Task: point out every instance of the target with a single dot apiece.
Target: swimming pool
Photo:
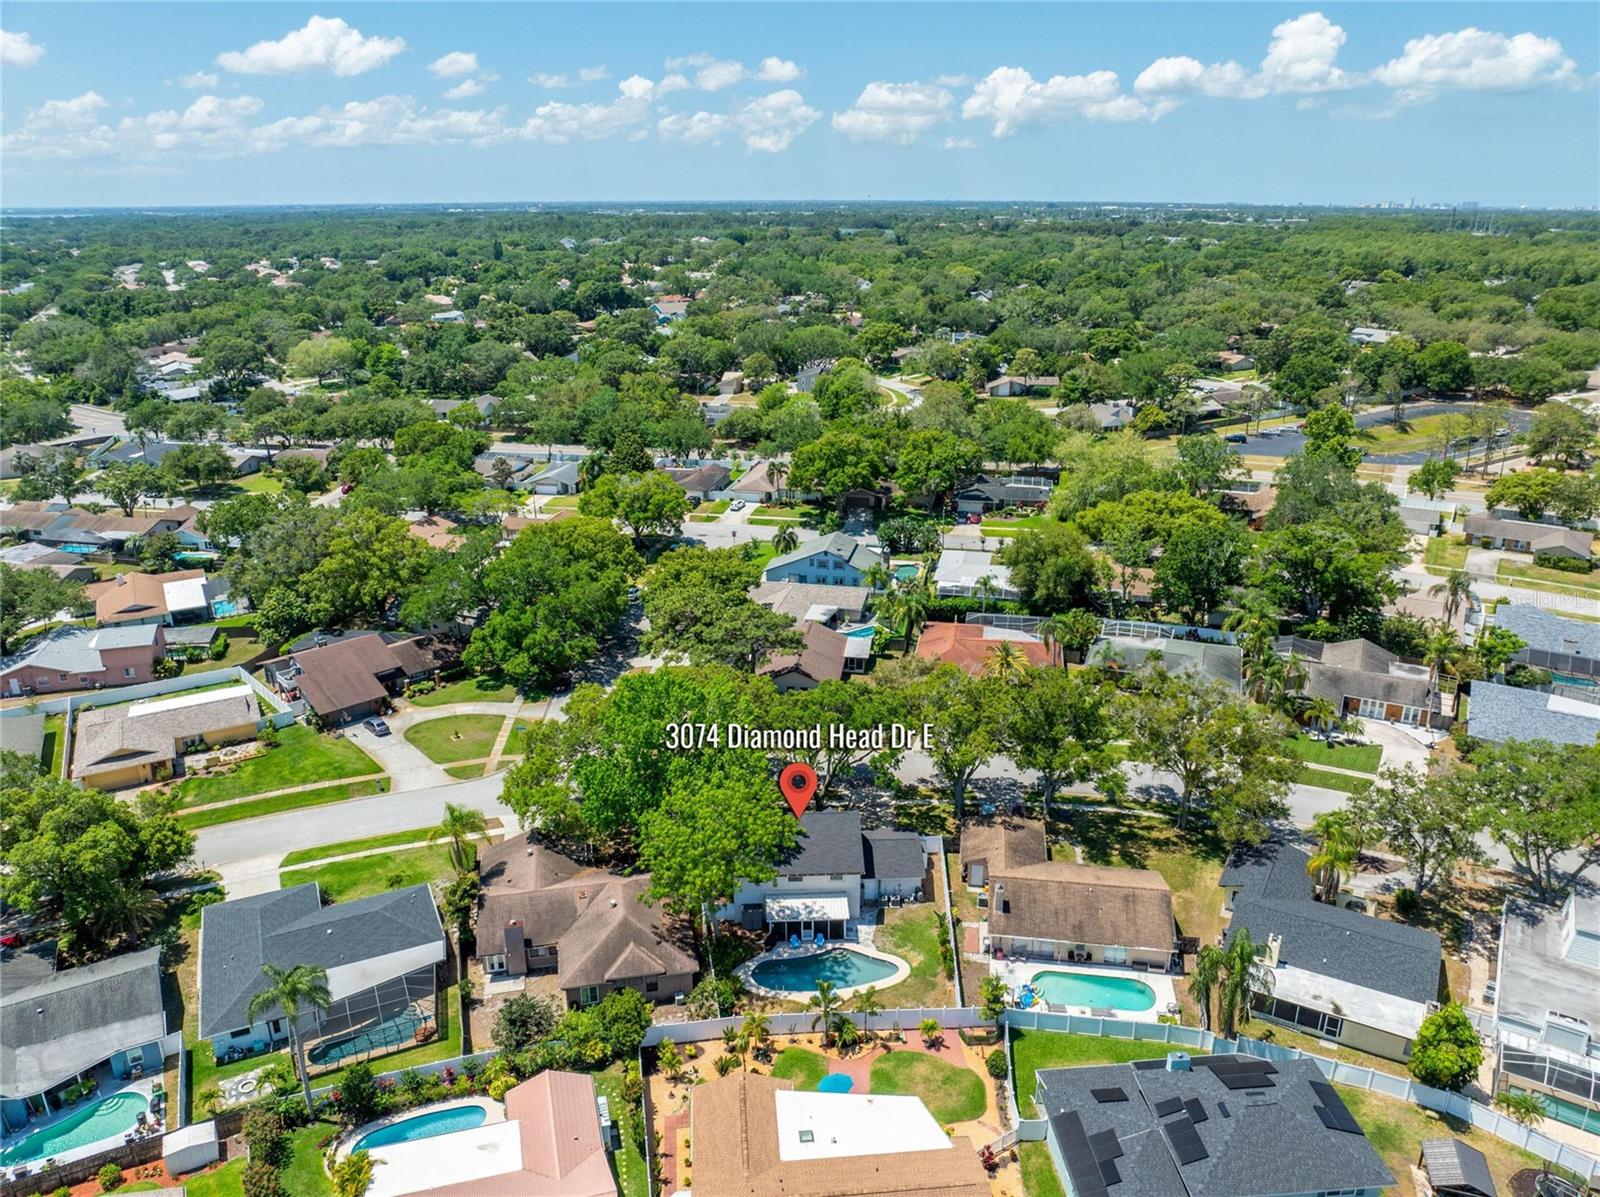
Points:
(865, 630)
(424, 1126)
(836, 1082)
(844, 967)
(907, 573)
(392, 1032)
(1089, 989)
(107, 1119)
(221, 608)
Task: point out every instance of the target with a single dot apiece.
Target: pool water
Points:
(221, 608)
(389, 1033)
(836, 1082)
(907, 573)
(424, 1126)
(845, 968)
(1086, 989)
(866, 630)
(113, 1117)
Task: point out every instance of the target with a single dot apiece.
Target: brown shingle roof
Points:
(822, 657)
(1003, 843)
(124, 735)
(734, 1130)
(1077, 903)
(135, 595)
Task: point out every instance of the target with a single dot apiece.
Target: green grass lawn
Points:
(1550, 579)
(487, 688)
(364, 876)
(53, 752)
(367, 843)
(259, 484)
(1039, 1177)
(226, 1181)
(951, 1094)
(321, 796)
(240, 650)
(455, 737)
(560, 503)
(992, 526)
(912, 933)
(1342, 782)
(1444, 553)
(1316, 751)
(465, 772)
(1424, 432)
(713, 507)
(303, 1176)
(628, 1161)
(800, 1065)
(1033, 1050)
(301, 757)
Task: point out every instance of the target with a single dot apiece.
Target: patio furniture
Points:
(794, 941)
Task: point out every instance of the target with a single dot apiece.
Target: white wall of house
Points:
(846, 885)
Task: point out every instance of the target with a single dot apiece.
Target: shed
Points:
(190, 1148)
(1456, 1169)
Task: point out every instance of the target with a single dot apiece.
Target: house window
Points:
(62, 678)
(835, 876)
(495, 963)
(241, 1033)
(127, 671)
(651, 986)
(1116, 956)
(588, 995)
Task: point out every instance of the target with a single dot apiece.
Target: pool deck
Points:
(1017, 973)
(494, 1112)
(746, 971)
(142, 1087)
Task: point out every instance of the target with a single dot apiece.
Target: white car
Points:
(736, 505)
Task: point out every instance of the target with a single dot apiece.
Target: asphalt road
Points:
(1289, 443)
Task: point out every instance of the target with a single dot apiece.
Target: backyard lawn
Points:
(303, 1176)
(1316, 751)
(301, 757)
(627, 1160)
(1039, 1177)
(487, 688)
(55, 743)
(364, 876)
(240, 650)
(456, 737)
(800, 1065)
(1033, 1050)
(912, 933)
(232, 812)
(951, 1094)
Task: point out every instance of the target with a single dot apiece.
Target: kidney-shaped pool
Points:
(845, 967)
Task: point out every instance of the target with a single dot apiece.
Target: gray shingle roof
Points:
(896, 854)
(830, 842)
(1269, 1142)
(23, 733)
(78, 1017)
(77, 650)
(837, 543)
(1374, 953)
(291, 927)
(1500, 713)
(1548, 631)
(1270, 870)
(1457, 1169)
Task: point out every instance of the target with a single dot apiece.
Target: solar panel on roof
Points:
(1222, 1108)
(1186, 1145)
(1168, 1105)
(1245, 1080)
(1106, 1145)
(1109, 1173)
(1197, 1112)
(1078, 1155)
(1107, 1095)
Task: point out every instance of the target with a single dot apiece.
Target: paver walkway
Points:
(502, 738)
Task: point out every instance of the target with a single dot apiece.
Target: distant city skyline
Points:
(1346, 105)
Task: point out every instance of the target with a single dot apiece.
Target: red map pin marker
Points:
(799, 785)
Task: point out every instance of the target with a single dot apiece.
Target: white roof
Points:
(1397, 1015)
(416, 1167)
(797, 908)
(840, 1125)
(194, 698)
(963, 567)
(185, 594)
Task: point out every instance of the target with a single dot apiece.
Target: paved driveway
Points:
(408, 767)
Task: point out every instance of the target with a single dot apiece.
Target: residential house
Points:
(437, 531)
(824, 880)
(170, 599)
(960, 574)
(1527, 536)
(550, 1144)
(731, 382)
(351, 678)
(140, 742)
(997, 844)
(1252, 501)
(1205, 1126)
(56, 525)
(1112, 416)
(245, 460)
(833, 606)
(832, 560)
(556, 478)
(1426, 516)
(449, 316)
(1501, 713)
(1364, 982)
(1554, 642)
(1361, 678)
(1362, 335)
(1010, 385)
(1231, 361)
(806, 379)
(73, 658)
(69, 567)
(757, 1136)
(1547, 1005)
(1062, 910)
(986, 493)
(973, 646)
(542, 913)
(669, 308)
(1455, 1169)
(758, 484)
(381, 955)
(700, 483)
(821, 658)
(104, 1021)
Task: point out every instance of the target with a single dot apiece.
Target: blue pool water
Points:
(111, 1118)
(907, 573)
(424, 1126)
(844, 967)
(222, 607)
(836, 1082)
(868, 630)
(389, 1033)
(1086, 989)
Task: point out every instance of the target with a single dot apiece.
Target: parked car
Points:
(376, 726)
(736, 505)
(1236, 438)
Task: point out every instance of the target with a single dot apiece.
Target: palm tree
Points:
(877, 576)
(130, 912)
(1526, 1109)
(1324, 714)
(1457, 592)
(987, 589)
(734, 1044)
(590, 468)
(786, 539)
(776, 475)
(826, 1004)
(1442, 652)
(1337, 853)
(755, 1031)
(1005, 662)
(1229, 975)
(868, 1003)
(1203, 980)
(460, 825)
(845, 1032)
(293, 990)
(914, 604)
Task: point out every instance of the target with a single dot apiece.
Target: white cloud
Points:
(959, 143)
(897, 113)
(701, 128)
(777, 70)
(673, 82)
(198, 80)
(75, 129)
(464, 90)
(323, 43)
(1302, 57)
(592, 74)
(548, 81)
(770, 124)
(19, 49)
(67, 114)
(387, 120)
(1475, 60)
(455, 64)
(952, 80)
(719, 73)
(560, 122)
(1013, 99)
(1183, 75)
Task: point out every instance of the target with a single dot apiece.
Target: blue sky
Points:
(241, 103)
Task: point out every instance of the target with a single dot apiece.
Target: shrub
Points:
(1567, 565)
(265, 1137)
(1446, 1052)
(1406, 903)
(220, 648)
(63, 1191)
(261, 1179)
(110, 1177)
(500, 1086)
(352, 1176)
(358, 1095)
(522, 1021)
(1528, 677)
(997, 1066)
(424, 687)
(268, 737)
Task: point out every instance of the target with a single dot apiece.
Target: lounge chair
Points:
(819, 939)
(794, 941)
